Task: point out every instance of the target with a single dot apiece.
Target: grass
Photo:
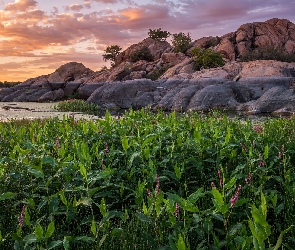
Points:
(147, 181)
(77, 105)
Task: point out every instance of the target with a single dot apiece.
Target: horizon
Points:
(38, 37)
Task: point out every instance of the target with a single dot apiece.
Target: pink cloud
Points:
(75, 7)
(21, 5)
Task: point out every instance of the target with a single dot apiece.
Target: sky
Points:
(38, 36)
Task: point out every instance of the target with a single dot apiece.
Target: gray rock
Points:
(213, 97)
(274, 99)
(85, 91)
(122, 94)
(71, 88)
(5, 92)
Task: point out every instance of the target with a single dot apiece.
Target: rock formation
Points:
(169, 82)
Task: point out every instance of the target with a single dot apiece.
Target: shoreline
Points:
(34, 110)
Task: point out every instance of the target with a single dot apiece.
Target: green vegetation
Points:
(268, 53)
(76, 105)
(111, 52)
(7, 84)
(206, 58)
(147, 181)
(158, 34)
(181, 42)
(142, 53)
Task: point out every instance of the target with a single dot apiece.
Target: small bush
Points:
(75, 105)
(181, 42)
(207, 58)
(143, 53)
(268, 53)
(156, 73)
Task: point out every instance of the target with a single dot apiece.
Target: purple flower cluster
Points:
(234, 199)
(249, 179)
(22, 215)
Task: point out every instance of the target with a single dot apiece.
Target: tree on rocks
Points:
(159, 34)
(111, 52)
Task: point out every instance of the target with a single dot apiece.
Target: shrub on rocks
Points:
(143, 53)
(207, 58)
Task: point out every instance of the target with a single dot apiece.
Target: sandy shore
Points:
(34, 110)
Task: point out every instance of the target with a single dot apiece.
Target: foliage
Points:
(7, 84)
(142, 53)
(158, 34)
(156, 73)
(181, 42)
(147, 181)
(268, 53)
(207, 58)
(111, 52)
(75, 105)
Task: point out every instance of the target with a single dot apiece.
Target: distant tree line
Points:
(7, 84)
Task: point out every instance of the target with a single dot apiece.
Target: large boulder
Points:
(68, 72)
(156, 47)
(124, 95)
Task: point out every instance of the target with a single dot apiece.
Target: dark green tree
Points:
(111, 52)
(159, 34)
(143, 53)
(181, 42)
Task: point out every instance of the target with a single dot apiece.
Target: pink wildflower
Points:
(244, 146)
(213, 184)
(234, 199)
(106, 150)
(261, 162)
(57, 143)
(21, 217)
(220, 178)
(149, 193)
(176, 209)
(249, 179)
(157, 185)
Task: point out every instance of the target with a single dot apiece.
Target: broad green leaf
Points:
(27, 217)
(37, 173)
(265, 154)
(102, 240)
(63, 198)
(231, 183)
(177, 171)
(234, 229)
(50, 230)
(7, 195)
(180, 243)
(263, 205)
(218, 217)
(93, 228)
(39, 232)
(103, 208)
(83, 171)
(28, 239)
(117, 232)
(280, 239)
(176, 198)
(84, 201)
(66, 243)
(195, 196)
(84, 238)
(218, 197)
(125, 143)
(54, 244)
(143, 217)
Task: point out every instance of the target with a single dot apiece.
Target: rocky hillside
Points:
(170, 82)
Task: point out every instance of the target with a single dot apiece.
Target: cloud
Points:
(75, 7)
(21, 5)
(39, 37)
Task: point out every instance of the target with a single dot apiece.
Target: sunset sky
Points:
(36, 37)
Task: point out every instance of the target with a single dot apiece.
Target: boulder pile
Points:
(170, 82)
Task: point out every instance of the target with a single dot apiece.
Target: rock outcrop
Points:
(170, 82)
